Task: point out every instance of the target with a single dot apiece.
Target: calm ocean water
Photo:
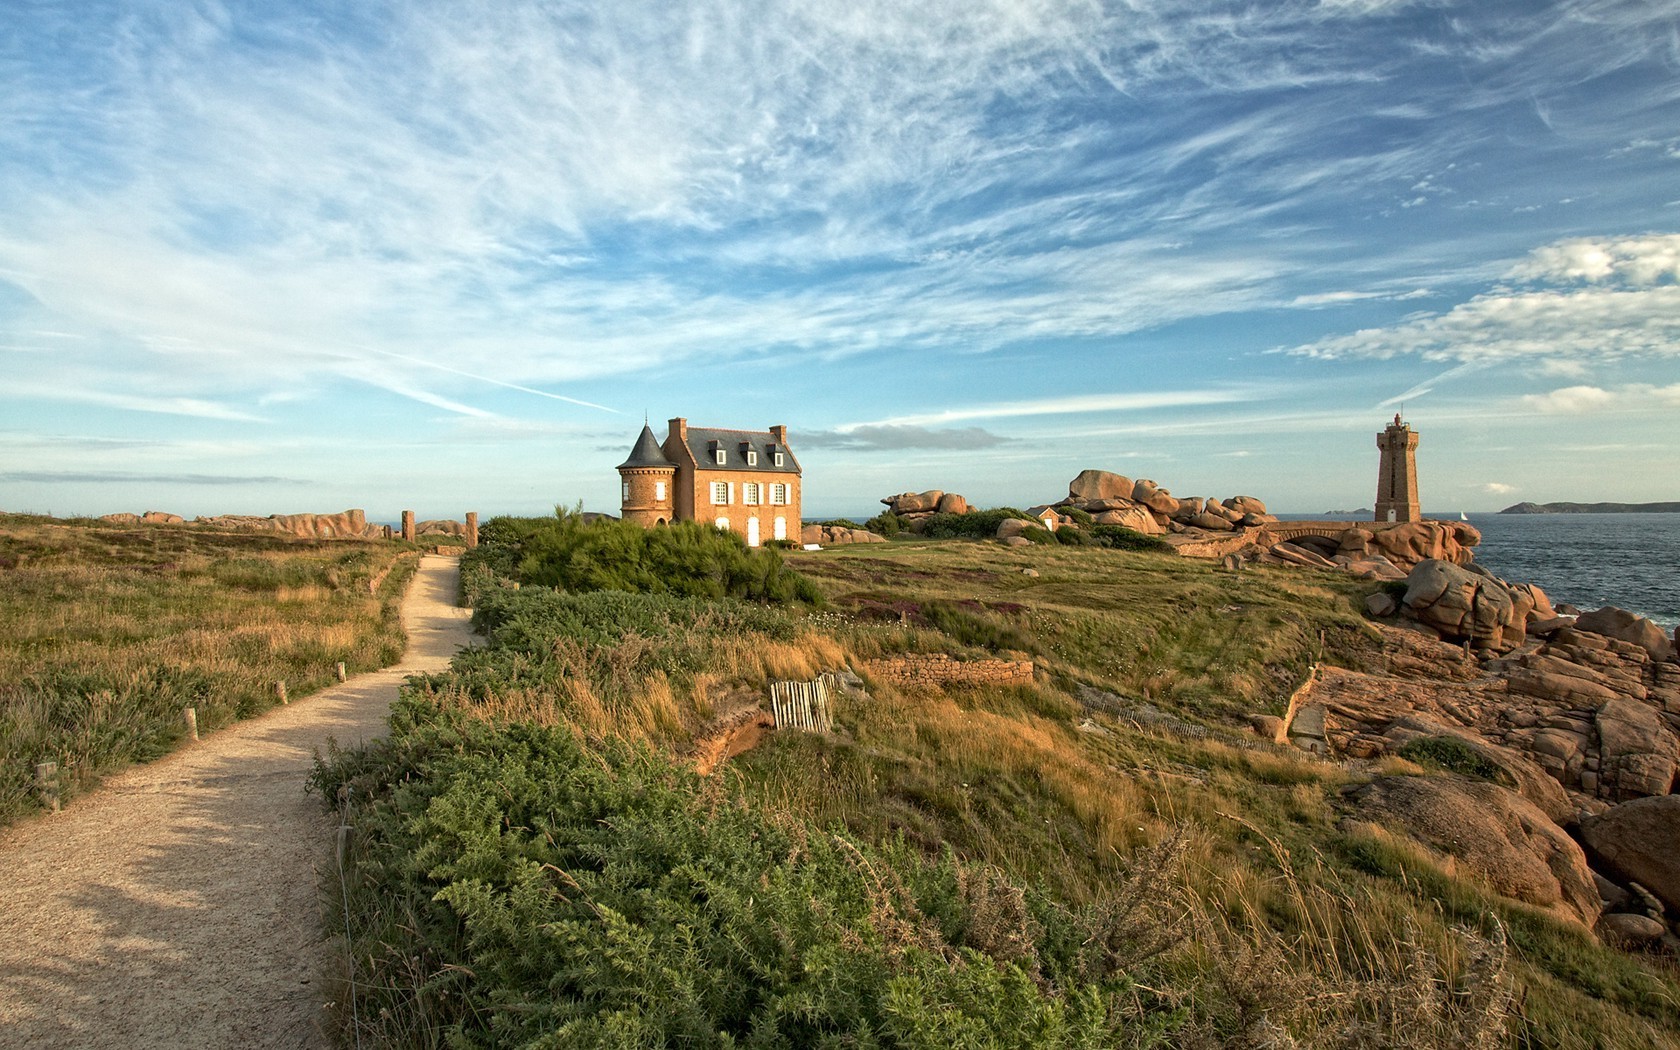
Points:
(1588, 560)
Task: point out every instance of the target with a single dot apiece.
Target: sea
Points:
(1631, 561)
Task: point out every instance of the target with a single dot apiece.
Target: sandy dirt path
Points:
(177, 906)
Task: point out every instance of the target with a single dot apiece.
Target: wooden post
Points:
(280, 691)
(472, 529)
(408, 525)
(340, 672)
(191, 715)
(46, 784)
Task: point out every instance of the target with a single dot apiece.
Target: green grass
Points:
(1117, 802)
(111, 630)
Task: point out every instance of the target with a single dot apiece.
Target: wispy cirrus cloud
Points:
(898, 438)
(460, 185)
(137, 478)
(1078, 404)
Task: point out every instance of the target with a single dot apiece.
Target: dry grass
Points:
(109, 631)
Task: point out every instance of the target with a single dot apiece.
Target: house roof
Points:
(647, 452)
(703, 443)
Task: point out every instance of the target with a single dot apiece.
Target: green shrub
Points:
(1119, 537)
(1072, 537)
(885, 524)
(975, 525)
(1077, 516)
(686, 558)
(510, 886)
(1454, 756)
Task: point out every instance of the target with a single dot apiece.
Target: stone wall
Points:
(940, 669)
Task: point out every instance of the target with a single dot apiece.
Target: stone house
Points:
(746, 481)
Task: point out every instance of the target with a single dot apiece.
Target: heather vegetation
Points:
(110, 631)
(1099, 859)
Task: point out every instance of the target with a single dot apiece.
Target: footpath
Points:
(178, 906)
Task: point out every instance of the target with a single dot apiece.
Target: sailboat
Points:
(1463, 516)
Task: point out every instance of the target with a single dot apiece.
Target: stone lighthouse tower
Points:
(1397, 493)
(647, 476)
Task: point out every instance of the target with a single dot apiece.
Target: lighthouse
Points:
(1397, 492)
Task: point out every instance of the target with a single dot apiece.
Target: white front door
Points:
(752, 532)
(780, 530)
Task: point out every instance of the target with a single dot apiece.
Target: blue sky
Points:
(282, 256)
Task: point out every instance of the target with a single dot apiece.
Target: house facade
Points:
(745, 481)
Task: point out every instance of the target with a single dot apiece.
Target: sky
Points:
(286, 256)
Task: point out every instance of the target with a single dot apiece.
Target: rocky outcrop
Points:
(1466, 606)
(910, 504)
(1596, 715)
(440, 527)
(1496, 834)
(1612, 622)
(1094, 486)
(837, 535)
(1636, 841)
(151, 517)
(346, 524)
(1145, 506)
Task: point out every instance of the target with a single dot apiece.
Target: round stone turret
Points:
(646, 482)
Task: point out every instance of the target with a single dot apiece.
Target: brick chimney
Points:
(779, 432)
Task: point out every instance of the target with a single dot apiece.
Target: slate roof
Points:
(647, 452)
(704, 441)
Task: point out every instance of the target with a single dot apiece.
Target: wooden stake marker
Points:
(191, 715)
(342, 674)
(46, 784)
(280, 691)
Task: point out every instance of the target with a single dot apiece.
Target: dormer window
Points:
(780, 459)
(721, 456)
(752, 458)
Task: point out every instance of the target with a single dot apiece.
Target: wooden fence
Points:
(804, 705)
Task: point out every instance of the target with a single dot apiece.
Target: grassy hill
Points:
(1103, 858)
(107, 632)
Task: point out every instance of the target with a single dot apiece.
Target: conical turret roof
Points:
(647, 452)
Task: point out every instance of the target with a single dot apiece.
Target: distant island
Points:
(1593, 508)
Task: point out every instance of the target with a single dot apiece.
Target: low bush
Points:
(975, 525)
(1454, 756)
(685, 558)
(512, 886)
(1119, 537)
(885, 524)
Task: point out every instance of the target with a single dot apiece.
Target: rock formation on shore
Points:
(345, 524)
(837, 535)
(919, 505)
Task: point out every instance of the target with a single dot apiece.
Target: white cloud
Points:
(1498, 488)
(1630, 307)
(1581, 400)
(1638, 261)
(1055, 406)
